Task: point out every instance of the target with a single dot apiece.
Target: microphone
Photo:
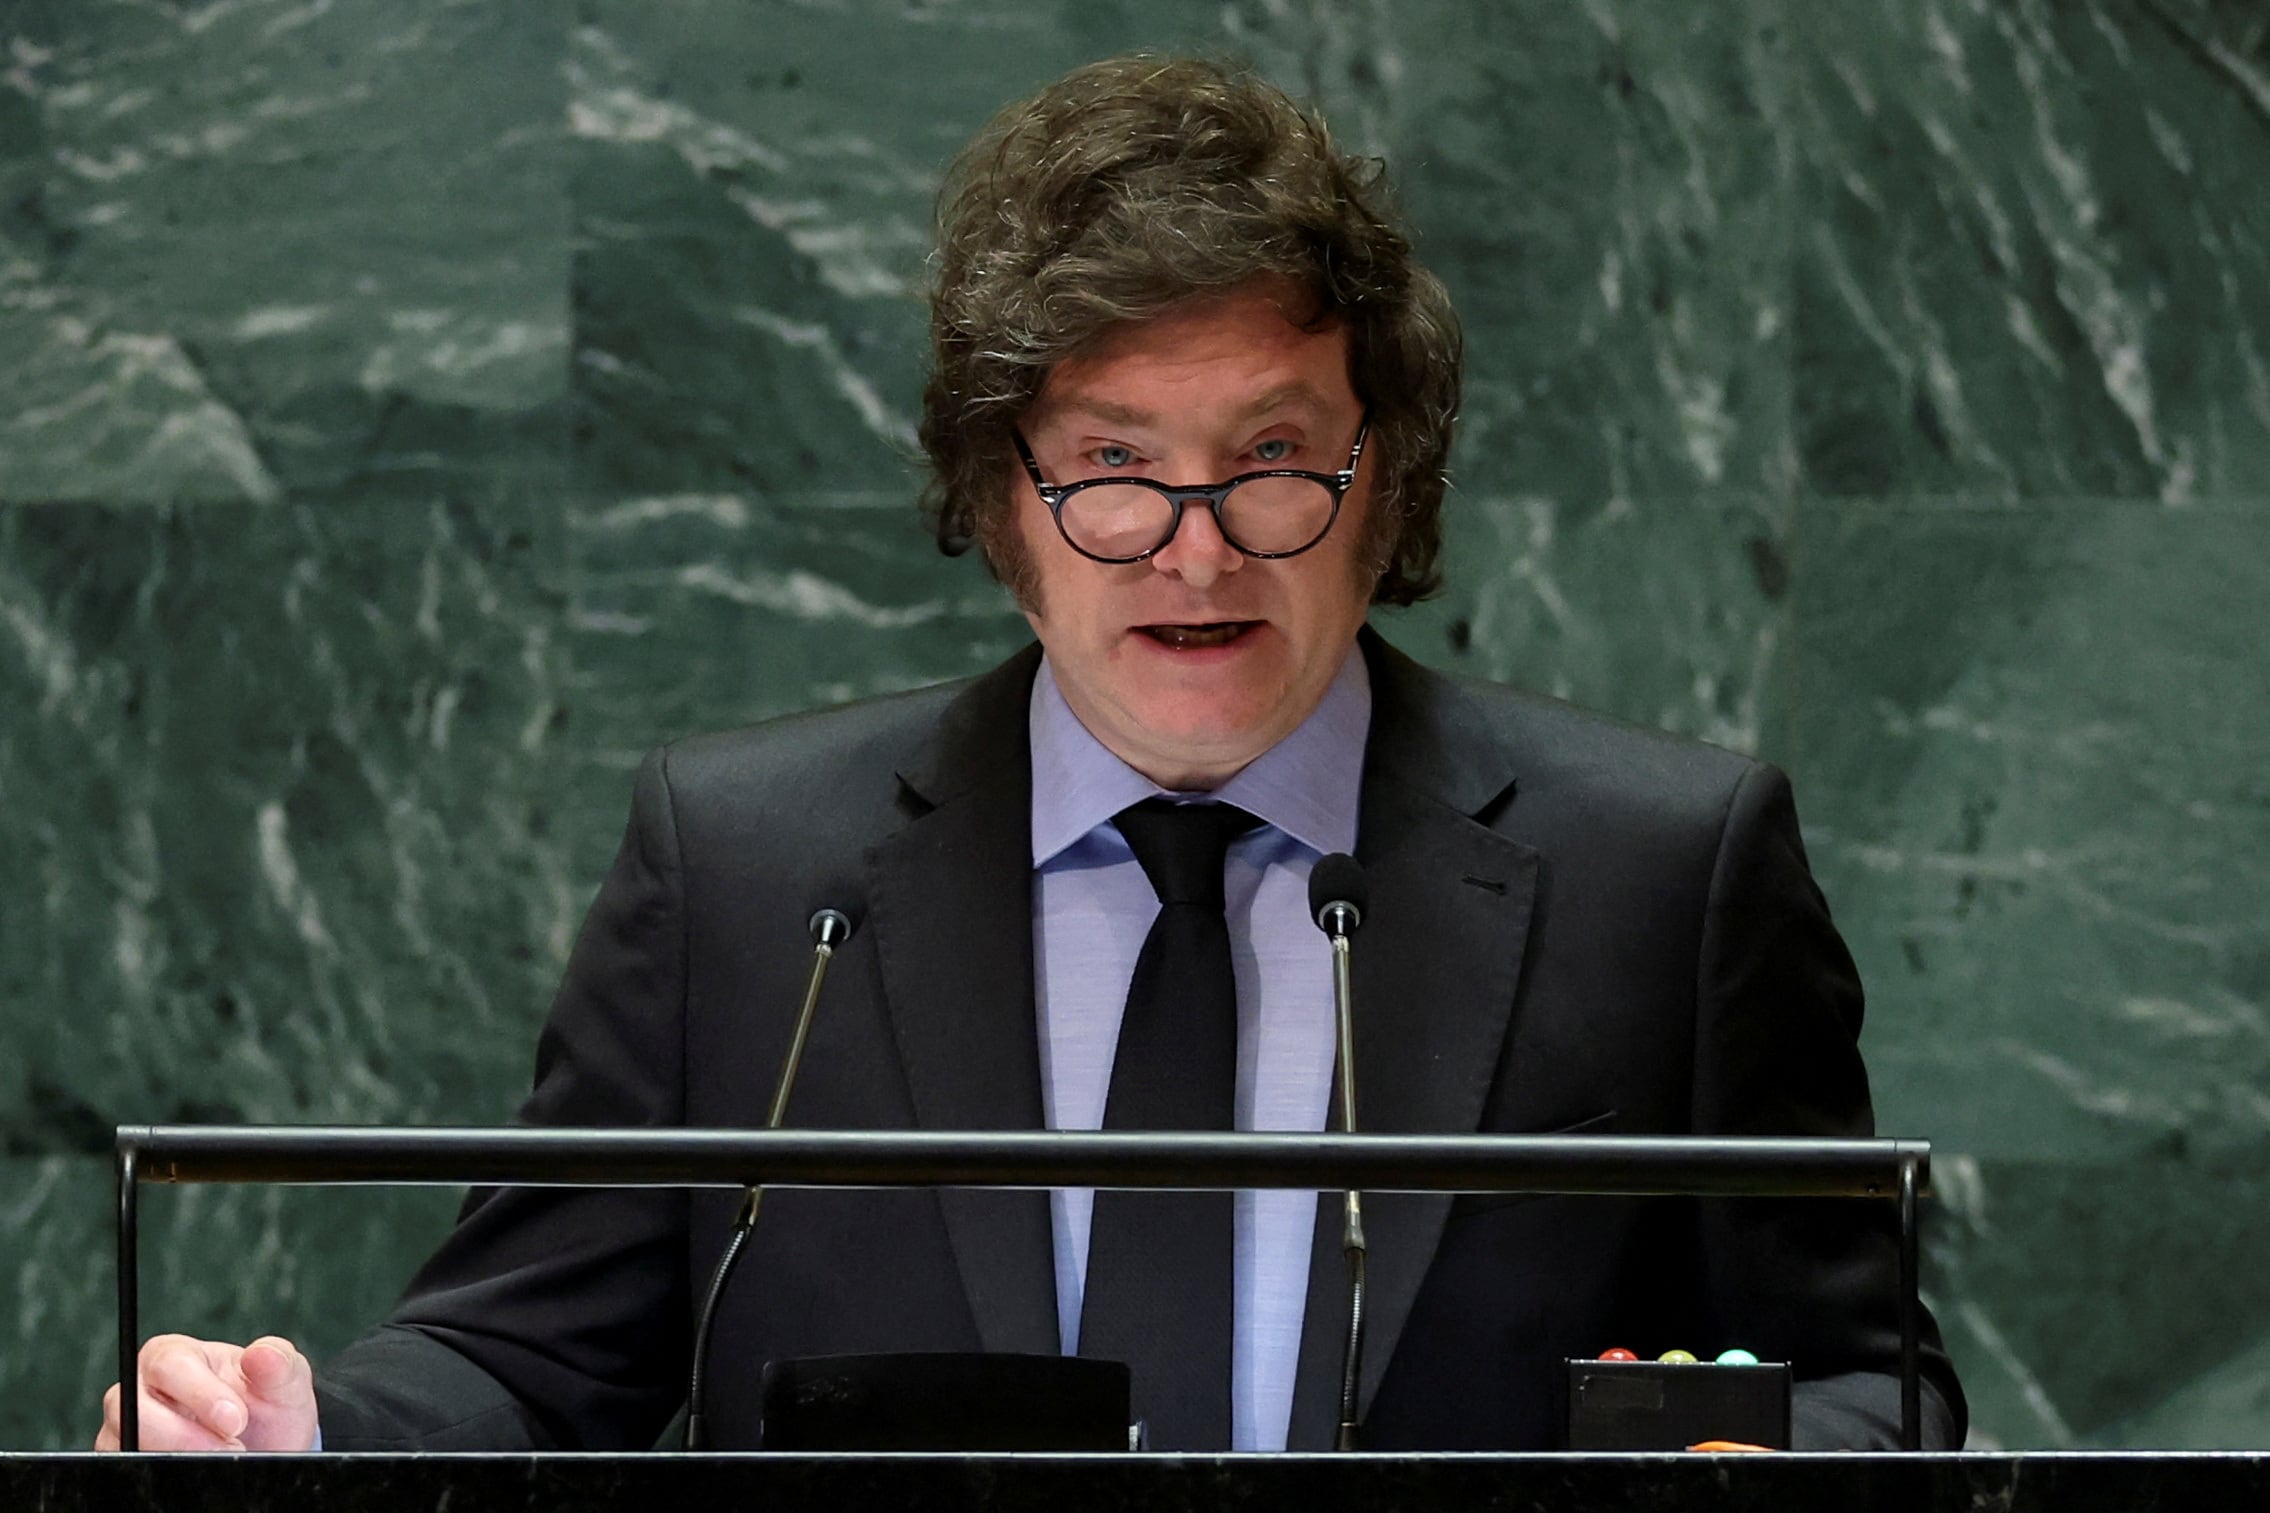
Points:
(830, 928)
(1337, 897)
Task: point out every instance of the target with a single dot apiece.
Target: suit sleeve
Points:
(1814, 1283)
(556, 1318)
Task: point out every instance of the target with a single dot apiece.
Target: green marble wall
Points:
(409, 412)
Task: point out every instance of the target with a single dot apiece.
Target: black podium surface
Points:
(2071, 1483)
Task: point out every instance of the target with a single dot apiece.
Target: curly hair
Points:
(1130, 186)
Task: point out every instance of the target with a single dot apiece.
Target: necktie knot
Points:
(1182, 847)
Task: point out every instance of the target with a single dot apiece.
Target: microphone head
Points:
(830, 927)
(1338, 894)
(836, 897)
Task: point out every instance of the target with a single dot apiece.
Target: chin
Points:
(1217, 732)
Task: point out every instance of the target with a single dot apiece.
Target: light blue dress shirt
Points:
(1092, 906)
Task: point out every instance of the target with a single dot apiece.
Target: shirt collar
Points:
(1306, 785)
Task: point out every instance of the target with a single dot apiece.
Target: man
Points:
(1192, 397)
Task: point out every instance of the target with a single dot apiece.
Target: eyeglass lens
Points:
(1126, 520)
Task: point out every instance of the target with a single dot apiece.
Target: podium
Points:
(1912, 1483)
(1696, 1167)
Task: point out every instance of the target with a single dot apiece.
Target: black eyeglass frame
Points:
(1181, 496)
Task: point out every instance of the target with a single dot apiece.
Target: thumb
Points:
(274, 1369)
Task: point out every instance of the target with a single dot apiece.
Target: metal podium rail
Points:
(1895, 1171)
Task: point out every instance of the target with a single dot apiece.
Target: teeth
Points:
(1182, 636)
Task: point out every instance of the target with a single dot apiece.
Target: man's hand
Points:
(204, 1395)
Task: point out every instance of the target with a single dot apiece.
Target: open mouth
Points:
(1196, 637)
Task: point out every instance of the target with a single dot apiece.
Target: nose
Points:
(1199, 552)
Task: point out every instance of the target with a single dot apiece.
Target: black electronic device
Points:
(946, 1402)
(1661, 1405)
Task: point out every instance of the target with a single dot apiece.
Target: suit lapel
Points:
(950, 903)
(1436, 968)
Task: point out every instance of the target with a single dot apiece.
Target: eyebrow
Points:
(1112, 412)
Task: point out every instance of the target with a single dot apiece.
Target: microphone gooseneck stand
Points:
(1337, 897)
(830, 929)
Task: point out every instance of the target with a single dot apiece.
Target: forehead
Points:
(1218, 358)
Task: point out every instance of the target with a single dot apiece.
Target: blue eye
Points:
(1114, 457)
(1275, 449)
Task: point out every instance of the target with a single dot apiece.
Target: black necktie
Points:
(1160, 1263)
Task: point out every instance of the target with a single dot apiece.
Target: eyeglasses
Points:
(1277, 512)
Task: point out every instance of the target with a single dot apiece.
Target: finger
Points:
(106, 1438)
(164, 1427)
(188, 1383)
(275, 1371)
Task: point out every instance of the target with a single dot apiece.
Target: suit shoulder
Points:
(1575, 734)
(835, 750)
(1644, 803)
(1555, 748)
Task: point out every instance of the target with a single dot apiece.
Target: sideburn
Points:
(1008, 561)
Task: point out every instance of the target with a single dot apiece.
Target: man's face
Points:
(1190, 664)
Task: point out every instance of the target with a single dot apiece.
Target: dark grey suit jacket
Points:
(1575, 925)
